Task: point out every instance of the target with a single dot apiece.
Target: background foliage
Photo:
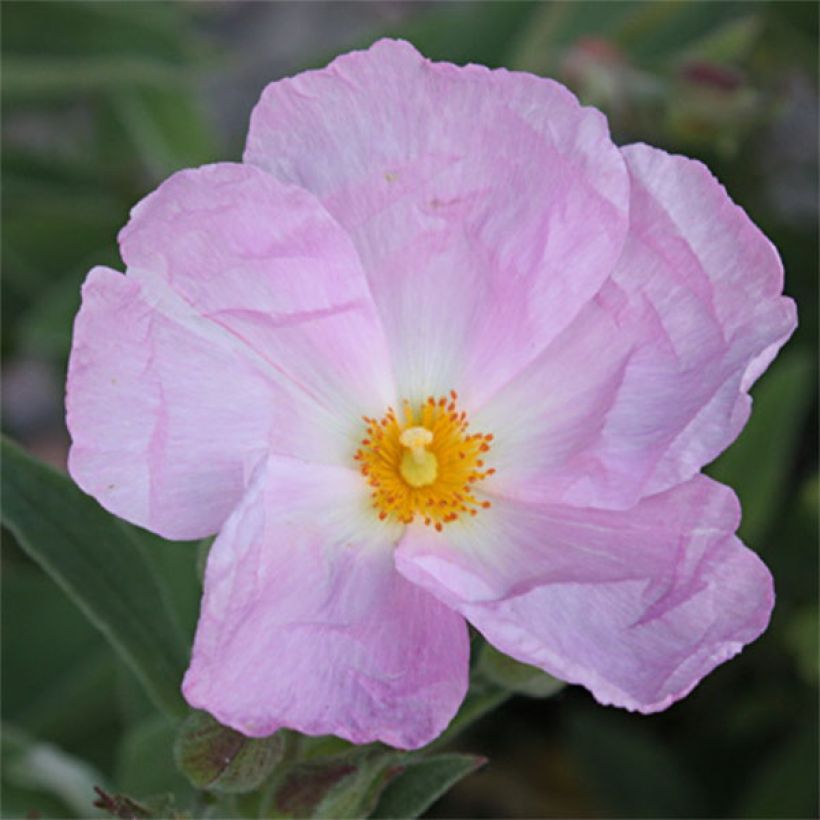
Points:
(102, 100)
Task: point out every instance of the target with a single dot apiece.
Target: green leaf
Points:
(133, 704)
(785, 784)
(802, 640)
(482, 698)
(45, 329)
(33, 661)
(56, 78)
(98, 28)
(647, 32)
(423, 782)
(484, 31)
(758, 464)
(217, 758)
(176, 563)
(521, 678)
(145, 761)
(33, 765)
(726, 44)
(89, 687)
(629, 770)
(554, 27)
(101, 566)
(167, 128)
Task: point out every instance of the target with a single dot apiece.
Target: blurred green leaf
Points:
(555, 27)
(54, 49)
(145, 761)
(631, 772)
(657, 32)
(484, 30)
(521, 678)
(135, 707)
(59, 658)
(45, 329)
(176, 563)
(802, 638)
(220, 759)
(43, 78)
(167, 129)
(482, 698)
(645, 31)
(758, 464)
(78, 223)
(100, 565)
(33, 765)
(97, 27)
(728, 43)
(36, 657)
(88, 687)
(785, 784)
(422, 783)
(20, 802)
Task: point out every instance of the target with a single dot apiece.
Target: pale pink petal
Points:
(547, 420)
(487, 206)
(244, 322)
(690, 236)
(625, 405)
(637, 606)
(306, 623)
(266, 263)
(164, 416)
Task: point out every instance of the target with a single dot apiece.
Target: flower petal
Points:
(650, 382)
(637, 606)
(689, 237)
(165, 416)
(244, 322)
(487, 206)
(306, 624)
(265, 262)
(547, 421)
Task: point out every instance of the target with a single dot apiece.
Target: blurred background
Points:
(102, 100)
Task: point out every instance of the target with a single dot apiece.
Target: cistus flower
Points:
(436, 352)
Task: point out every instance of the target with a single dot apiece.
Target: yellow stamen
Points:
(424, 462)
(418, 466)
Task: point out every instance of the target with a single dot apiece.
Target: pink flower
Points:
(277, 365)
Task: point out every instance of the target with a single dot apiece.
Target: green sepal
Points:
(347, 785)
(217, 758)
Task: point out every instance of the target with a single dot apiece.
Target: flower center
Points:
(424, 462)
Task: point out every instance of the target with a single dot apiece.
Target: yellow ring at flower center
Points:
(423, 462)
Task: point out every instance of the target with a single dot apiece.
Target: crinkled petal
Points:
(635, 605)
(689, 237)
(306, 624)
(650, 382)
(266, 263)
(165, 415)
(487, 206)
(244, 323)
